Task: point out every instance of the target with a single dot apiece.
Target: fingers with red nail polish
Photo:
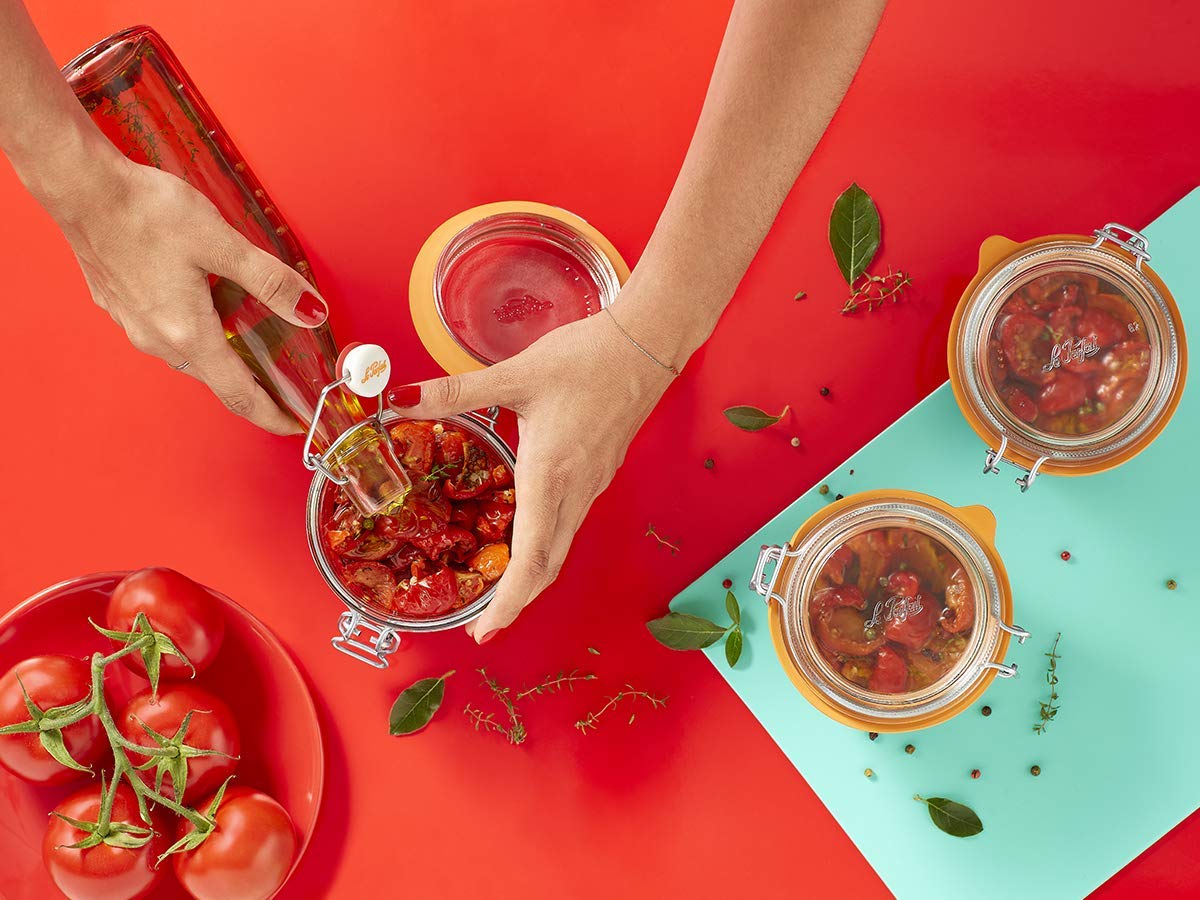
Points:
(311, 309)
(404, 395)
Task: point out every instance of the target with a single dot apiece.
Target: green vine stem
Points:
(122, 767)
(95, 704)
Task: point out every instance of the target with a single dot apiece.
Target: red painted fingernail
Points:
(311, 309)
(491, 634)
(405, 395)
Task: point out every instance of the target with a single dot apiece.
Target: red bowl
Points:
(253, 673)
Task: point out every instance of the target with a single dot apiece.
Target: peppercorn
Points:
(1171, 584)
(1066, 555)
(708, 463)
(727, 584)
(823, 490)
(824, 392)
(910, 749)
(851, 471)
(975, 773)
(1035, 770)
(987, 710)
(870, 773)
(837, 497)
(795, 442)
(872, 734)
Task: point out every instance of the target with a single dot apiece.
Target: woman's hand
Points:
(147, 244)
(580, 395)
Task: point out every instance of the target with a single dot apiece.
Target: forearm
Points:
(783, 68)
(57, 151)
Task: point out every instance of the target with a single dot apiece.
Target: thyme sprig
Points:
(592, 720)
(650, 532)
(872, 291)
(1049, 709)
(440, 470)
(515, 729)
(552, 684)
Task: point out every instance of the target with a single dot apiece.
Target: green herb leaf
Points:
(854, 232)
(733, 647)
(52, 742)
(751, 418)
(731, 607)
(682, 631)
(416, 705)
(951, 817)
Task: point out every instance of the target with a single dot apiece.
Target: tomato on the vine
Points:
(212, 727)
(177, 607)
(103, 872)
(50, 681)
(249, 853)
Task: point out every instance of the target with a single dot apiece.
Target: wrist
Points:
(669, 315)
(73, 175)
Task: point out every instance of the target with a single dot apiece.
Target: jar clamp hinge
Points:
(1008, 670)
(995, 456)
(1134, 242)
(758, 581)
(365, 641)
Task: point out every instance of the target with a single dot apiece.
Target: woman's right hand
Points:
(147, 243)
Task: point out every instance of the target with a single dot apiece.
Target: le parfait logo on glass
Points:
(1079, 349)
(894, 609)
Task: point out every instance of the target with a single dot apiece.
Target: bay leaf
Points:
(731, 607)
(416, 705)
(751, 418)
(952, 817)
(733, 647)
(683, 631)
(854, 232)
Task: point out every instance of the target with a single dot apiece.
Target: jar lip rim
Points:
(812, 548)
(1075, 253)
(485, 228)
(316, 493)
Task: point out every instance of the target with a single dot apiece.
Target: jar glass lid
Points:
(493, 279)
(891, 609)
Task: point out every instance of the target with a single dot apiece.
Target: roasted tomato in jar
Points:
(1067, 354)
(891, 610)
(446, 544)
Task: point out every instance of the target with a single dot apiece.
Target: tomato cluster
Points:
(449, 541)
(193, 746)
(1067, 354)
(892, 610)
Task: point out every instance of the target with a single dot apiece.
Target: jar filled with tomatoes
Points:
(1067, 353)
(890, 609)
(428, 564)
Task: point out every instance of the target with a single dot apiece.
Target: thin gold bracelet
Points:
(646, 353)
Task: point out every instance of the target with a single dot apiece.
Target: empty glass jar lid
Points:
(494, 279)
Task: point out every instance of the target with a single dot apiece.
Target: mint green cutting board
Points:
(1119, 762)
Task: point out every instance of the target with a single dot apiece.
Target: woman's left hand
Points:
(580, 393)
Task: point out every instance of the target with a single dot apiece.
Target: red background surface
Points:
(373, 123)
